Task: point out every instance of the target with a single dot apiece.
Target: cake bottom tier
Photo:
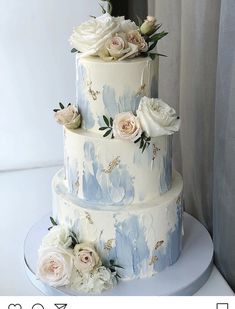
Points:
(142, 238)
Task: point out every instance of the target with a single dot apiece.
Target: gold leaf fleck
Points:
(155, 150)
(141, 90)
(108, 244)
(93, 93)
(88, 216)
(158, 244)
(112, 165)
(153, 260)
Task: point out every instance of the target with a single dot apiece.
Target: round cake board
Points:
(185, 277)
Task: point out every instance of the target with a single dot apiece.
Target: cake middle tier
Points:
(116, 172)
(110, 88)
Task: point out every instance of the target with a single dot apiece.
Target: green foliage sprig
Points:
(144, 141)
(109, 7)
(109, 126)
(153, 40)
(112, 267)
(61, 107)
(53, 222)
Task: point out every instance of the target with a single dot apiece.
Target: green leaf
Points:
(141, 143)
(69, 104)
(156, 38)
(148, 139)
(74, 50)
(143, 149)
(117, 266)
(102, 8)
(92, 16)
(53, 221)
(117, 275)
(56, 110)
(138, 139)
(61, 105)
(162, 55)
(152, 55)
(139, 20)
(111, 121)
(107, 133)
(106, 120)
(103, 128)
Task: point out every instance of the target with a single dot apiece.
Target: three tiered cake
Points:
(117, 203)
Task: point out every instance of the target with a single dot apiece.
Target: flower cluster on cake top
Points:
(116, 38)
(64, 261)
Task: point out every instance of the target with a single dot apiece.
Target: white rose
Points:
(55, 266)
(157, 118)
(91, 35)
(57, 236)
(99, 280)
(135, 37)
(126, 25)
(103, 279)
(69, 117)
(85, 257)
(126, 126)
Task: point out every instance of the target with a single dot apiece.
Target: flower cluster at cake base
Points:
(153, 118)
(64, 261)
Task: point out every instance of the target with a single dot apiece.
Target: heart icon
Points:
(14, 306)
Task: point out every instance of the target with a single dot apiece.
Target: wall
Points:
(37, 71)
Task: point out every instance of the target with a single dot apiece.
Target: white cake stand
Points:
(185, 277)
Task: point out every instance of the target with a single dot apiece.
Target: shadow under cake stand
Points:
(185, 277)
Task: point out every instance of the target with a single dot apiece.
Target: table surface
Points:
(25, 197)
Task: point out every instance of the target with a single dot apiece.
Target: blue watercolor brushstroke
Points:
(169, 255)
(114, 105)
(166, 174)
(82, 102)
(99, 187)
(72, 176)
(131, 247)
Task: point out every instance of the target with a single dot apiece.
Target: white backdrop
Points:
(37, 71)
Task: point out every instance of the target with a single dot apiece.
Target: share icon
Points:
(61, 306)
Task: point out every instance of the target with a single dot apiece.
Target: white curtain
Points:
(198, 78)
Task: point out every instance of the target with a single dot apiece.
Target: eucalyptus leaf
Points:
(61, 105)
(138, 139)
(111, 121)
(107, 133)
(53, 221)
(139, 20)
(56, 110)
(103, 128)
(143, 149)
(74, 50)
(141, 143)
(106, 120)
